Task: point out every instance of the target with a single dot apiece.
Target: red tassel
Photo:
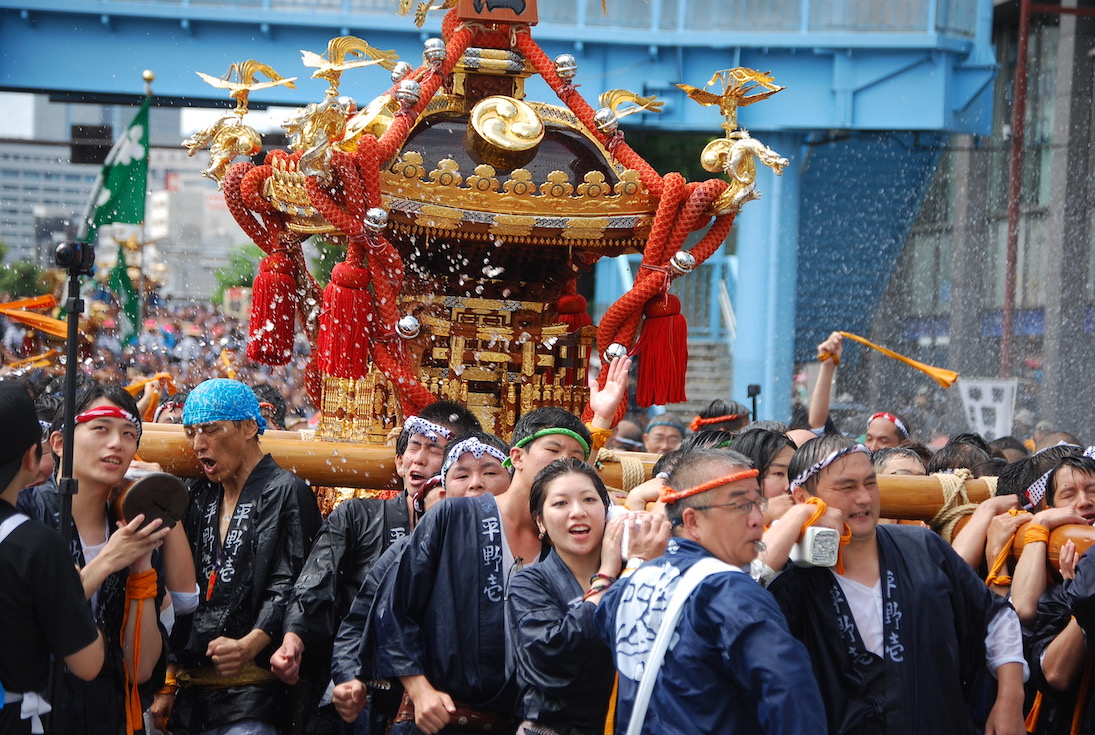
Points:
(663, 353)
(342, 347)
(273, 311)
(313, 383)
(572, 310)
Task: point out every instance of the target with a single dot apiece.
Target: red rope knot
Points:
(615, 141)
(389, 335)
(369, 239)
(665, 270)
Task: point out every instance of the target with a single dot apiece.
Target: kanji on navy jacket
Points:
(733, 666)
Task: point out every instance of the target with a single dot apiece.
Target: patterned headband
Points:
(473, 446)
(669, 496)
(432, 431)
(167, 406)
(109, 412)
(833, 456)
(1038, 489)
(1036, 493)
(221, 399)
(893, 420)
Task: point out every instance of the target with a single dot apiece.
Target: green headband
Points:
(548, 432)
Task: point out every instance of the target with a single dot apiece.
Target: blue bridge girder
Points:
(924, 65)
(850, 66)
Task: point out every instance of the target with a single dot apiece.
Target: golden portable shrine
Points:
(467, 213)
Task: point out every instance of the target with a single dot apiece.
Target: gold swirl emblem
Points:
(504, 132)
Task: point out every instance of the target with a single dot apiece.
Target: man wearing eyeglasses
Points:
(731, 665)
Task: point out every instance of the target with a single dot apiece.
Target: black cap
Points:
(19, 429)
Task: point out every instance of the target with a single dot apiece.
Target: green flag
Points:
(119, 192)
(129, 303)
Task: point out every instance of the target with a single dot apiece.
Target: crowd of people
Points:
(750, 586)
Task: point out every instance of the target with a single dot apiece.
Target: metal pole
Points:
(1015, 186)
(67, 485)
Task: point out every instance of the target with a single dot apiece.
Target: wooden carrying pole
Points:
(346, 464)
(323, 463)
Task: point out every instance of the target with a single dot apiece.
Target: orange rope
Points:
(1035, 713)
(819, 510)
(943, 376)
(994, 577)
(669, 495)
(845, 538)
(610, 720)
(138, 587)
(1036, 533)
(699, 422)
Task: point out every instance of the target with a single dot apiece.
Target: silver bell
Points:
(434, 50)
(409, 91)
(683, 262)
(606, 121)
(376, 219)
(566, 66)
(614, 350)
(400, 70)
(408, 327)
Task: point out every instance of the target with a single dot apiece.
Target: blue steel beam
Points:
(763, 352)
(841, 79)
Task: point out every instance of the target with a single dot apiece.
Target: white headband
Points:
(833, 456)
(430, 430)
(473, 446)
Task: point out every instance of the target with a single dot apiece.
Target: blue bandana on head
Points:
(220, 399)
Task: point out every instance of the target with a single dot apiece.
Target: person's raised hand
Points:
(604, 401)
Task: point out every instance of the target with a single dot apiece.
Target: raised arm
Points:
(819, 400)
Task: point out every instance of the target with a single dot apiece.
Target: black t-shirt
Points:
(42, 606)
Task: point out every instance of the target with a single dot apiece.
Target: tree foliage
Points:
(21, 278)
(243, 266)
(328, 255)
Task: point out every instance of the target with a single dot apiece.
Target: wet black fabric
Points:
(354, 653)
(349, 543)
(936, 611)
(355, 646)
(1054, 614)
(97, 707)
(444, 614)
(564, 669)
(42, 611)
(277, 518)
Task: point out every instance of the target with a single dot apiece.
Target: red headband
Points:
(109, 412)
(893, 420)
(670, 496)
(699, 422)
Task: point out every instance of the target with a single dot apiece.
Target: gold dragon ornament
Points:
(736, 154)
(229, 137)
(315, 128)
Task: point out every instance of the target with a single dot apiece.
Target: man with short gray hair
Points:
(729, 663)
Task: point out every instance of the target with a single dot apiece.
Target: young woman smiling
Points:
(114, 557)
(564, 671)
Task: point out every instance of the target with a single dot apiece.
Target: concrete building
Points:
(43, 195)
